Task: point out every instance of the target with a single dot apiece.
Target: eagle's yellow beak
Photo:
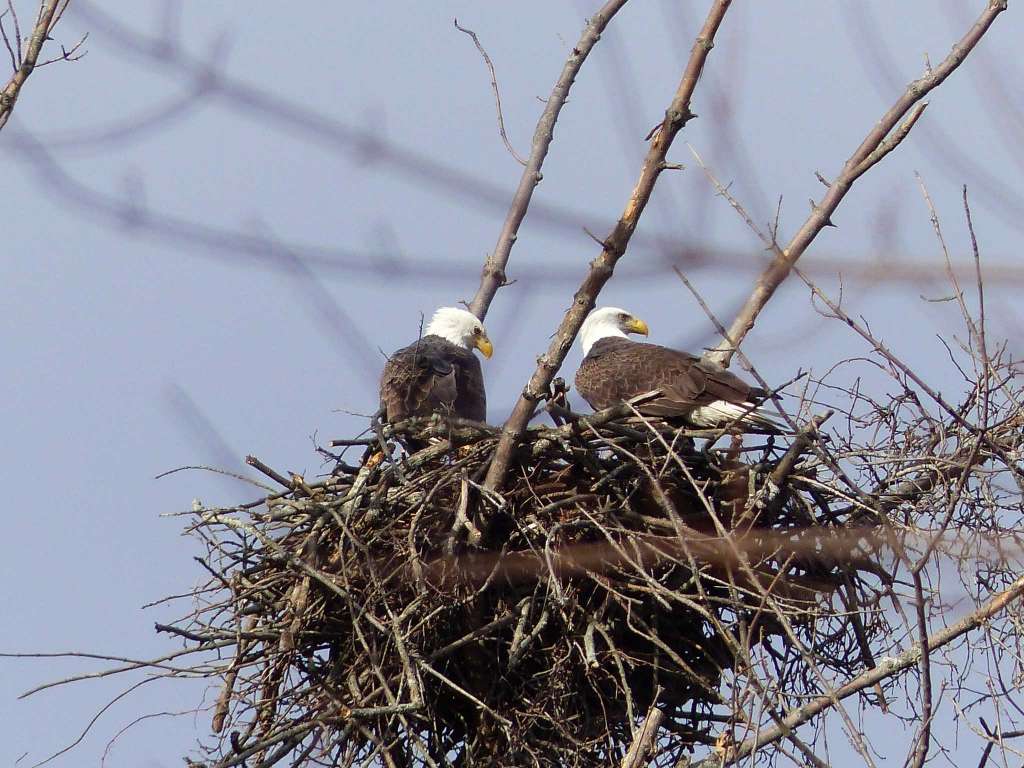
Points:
(484, 345)
(636, 325)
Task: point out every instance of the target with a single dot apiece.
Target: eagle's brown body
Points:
(693, 390)
(432, 375)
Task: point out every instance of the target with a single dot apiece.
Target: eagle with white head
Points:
(698, 392)
(438, 373)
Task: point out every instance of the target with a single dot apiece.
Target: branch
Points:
(493, 275)
(238, 244)
(40, 33)
(614, 246)
(645, 736)
(871, 151)
(923, 740)
(886, 668)
(494, 89)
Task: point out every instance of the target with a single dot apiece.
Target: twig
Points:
(273, 474)
(129, 664)
(216, 471)
(459, 689)
(803, 439)
(494, 88)
(980, 325)
(3, 32)
(676, 116)
(923, 740)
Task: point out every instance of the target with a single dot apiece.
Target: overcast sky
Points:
(217, 219)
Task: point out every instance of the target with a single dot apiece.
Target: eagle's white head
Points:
(609, 321)
(460, 327)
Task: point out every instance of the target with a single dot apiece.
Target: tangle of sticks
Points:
(397, 612)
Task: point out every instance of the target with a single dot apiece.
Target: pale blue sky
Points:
(121, 339)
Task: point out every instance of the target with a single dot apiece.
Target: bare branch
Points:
(27, 62)
(874, 147)
(493, 275)
(886, 668)
(676, 116)
(643, 742)
(240, 245)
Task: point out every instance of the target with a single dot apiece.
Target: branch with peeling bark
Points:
(49, 14)
(614, 246)
(883, 138)
(645, 737)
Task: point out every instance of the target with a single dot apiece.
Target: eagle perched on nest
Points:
(438, 373)
(695, 391)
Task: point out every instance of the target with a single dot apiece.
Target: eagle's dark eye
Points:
(477, 330)
(623, 316)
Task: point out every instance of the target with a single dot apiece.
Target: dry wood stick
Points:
(493, 275)
(614, 246)
(886, 668)
(645, 736)
(40, 33)
(252, 461)
(882, 139)
(494, 89)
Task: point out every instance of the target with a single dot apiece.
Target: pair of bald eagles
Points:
(440, 374)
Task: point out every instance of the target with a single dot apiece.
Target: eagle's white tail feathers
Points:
(720, 413)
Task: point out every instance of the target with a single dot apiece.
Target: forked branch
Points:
(27, 62)
(883, 138)
(493, 276)
(614, 246)
(886, 668)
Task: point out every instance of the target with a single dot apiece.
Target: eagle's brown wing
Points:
(418, 380)
(619, 369)
(429, 376)
(471, 397)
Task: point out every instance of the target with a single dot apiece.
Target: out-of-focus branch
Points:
(614, 246)
(882, 139)
(28, 61)
(204, 84)
(275, 110)
(493, 276)
(239, 244)
(885, 669)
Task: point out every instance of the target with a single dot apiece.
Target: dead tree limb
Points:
(493, 276)
(27, 63)
(614, 246)
(645, 737)
(883, 138)
(886, 668)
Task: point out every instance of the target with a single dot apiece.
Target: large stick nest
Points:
(396, 613)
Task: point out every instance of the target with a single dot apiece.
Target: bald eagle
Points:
(438, 373)
(698, 392)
